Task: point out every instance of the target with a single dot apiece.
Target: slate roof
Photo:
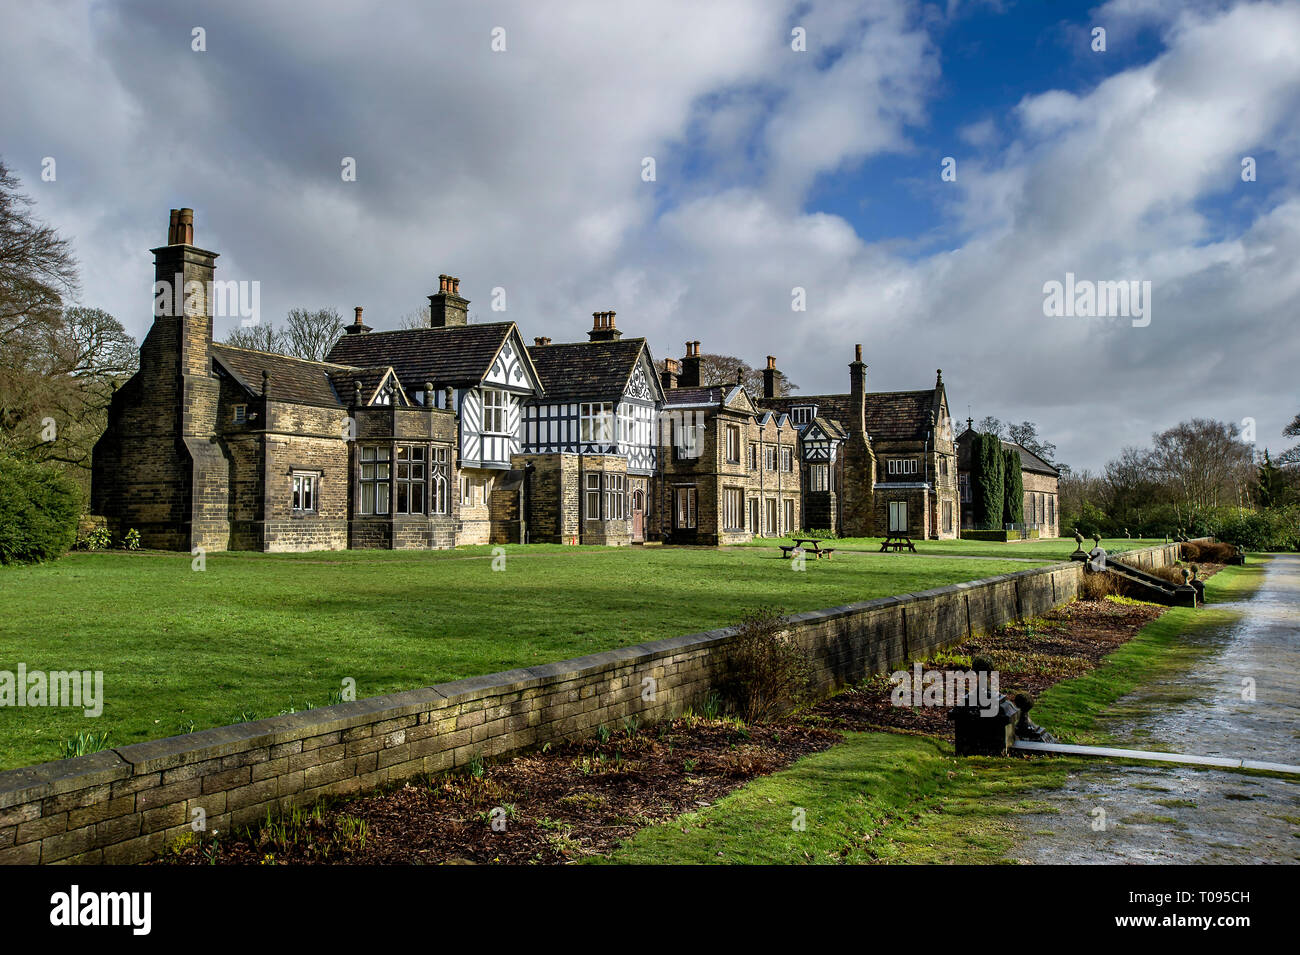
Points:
(292, 379)
(891, 415)
(706, 395)
(1028, 460)
(457, 355)
(583, 370)
(830, 426)
(370, 379)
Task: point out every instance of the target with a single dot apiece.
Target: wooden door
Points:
(638, 515)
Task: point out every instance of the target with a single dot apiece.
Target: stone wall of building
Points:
(1042, 488)
(125, 805)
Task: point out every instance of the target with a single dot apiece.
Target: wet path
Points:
(1176, 814)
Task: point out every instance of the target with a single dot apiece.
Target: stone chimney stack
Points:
(668, 377)
(769, 377)
(446, 307)
(541, 342)
(690, 376)
(603, 328)
(182, 308)
(857, 393)
(357, 327)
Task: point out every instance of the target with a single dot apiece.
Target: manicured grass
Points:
(876, 797)
(1050, 549)
(880, 797)
(255, 634)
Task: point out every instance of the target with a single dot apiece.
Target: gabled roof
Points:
(572, 371)
(891, 415)
(370, 379)
(292, 379)
(828, 426)
(767, 417)
(456, 355)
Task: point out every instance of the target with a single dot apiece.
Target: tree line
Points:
(1198, 478)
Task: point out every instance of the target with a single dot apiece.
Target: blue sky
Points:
(520, 170)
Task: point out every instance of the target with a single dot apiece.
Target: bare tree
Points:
(722, 369)
(37, 268)
(263, 336)
(37, 271)
(1026, 435)
(1203, 465)
(1291, 456)
(311, 334)
(420, 318)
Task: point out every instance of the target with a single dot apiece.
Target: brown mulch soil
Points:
(553, 806)
(584, 798)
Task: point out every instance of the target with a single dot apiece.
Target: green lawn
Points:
(255, 634)
(881, 797)
(1050, 549)
(876, 797)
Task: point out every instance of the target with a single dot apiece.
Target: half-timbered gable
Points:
(600, 398)
(486, 366)
(589, 444)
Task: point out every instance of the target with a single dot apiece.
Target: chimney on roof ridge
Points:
(446, 307)
(668, 377)
(769, 377)
(690, 376)
(857, 393)
(603, 328)
(357, 327)
(541, 342)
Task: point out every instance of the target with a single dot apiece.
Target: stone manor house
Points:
(460, 433)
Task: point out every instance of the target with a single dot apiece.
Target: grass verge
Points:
(886, 798)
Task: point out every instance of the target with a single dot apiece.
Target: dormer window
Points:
(803, 414)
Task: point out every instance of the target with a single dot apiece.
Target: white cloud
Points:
(522, 170)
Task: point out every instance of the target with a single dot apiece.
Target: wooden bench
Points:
(788, 549)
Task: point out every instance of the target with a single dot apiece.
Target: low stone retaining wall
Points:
(125, 805)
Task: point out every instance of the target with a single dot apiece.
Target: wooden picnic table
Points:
(897, 542)
(788, 550)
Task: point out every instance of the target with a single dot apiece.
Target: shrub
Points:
(987, 475)
(1270, 529)
(1096, 586)
(132, 540)
(1172, 574)
(1013, 487)
(766, 673)
(39, 509)
(96, 539)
